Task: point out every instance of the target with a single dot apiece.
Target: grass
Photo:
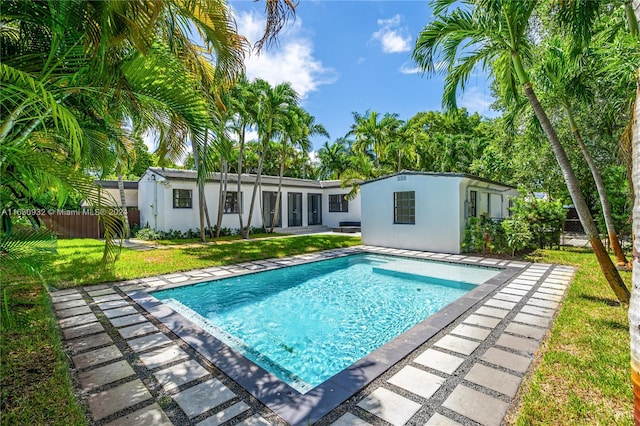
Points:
(227, 238)
(78, 261)
(584, 374)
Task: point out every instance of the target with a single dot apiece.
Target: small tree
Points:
(517, 234)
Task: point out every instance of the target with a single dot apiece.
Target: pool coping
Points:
(289, 404)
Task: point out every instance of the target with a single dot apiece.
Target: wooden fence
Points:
(79, 224)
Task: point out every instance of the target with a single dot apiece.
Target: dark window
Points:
(337, 203)
(231, 204)
(404, 207)
(181, 198)
(473, 203)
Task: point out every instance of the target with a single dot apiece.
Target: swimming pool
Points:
(306, 323)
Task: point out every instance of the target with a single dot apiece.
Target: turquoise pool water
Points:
(308, 322)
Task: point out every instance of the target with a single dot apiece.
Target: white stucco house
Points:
(168, 200)
(428, 211)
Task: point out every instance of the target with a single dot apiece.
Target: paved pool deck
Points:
(130, 365)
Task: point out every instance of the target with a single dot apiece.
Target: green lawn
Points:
(583, 376)
(78, 261)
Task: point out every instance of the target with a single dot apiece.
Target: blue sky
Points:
(345, 56)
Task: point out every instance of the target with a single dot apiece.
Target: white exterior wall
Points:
(333, 219)
(438, 224)
(165, 217)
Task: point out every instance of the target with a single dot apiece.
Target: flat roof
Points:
(440, 174)
(246, 178)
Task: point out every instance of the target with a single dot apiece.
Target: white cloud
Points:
(392, 37)
(475, 100)
(291, 59)
(409, 68)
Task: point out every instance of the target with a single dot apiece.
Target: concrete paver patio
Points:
(131, 369)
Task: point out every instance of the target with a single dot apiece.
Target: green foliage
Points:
(517, 233)
(533, 224)
(544, 218)
(483, 235)
(147, 234)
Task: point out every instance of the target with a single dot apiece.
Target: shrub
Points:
(147, 234)
(517, 234)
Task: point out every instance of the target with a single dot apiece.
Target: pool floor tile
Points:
(390, 406)
(108, 402)
(457, 344)
(96, 356)
(349, 419)
(490, 378)
(109, 373)
(417, 381)
(225, 415)
(506, 359)
(151, 415)
(203, 397)
(179, 374)
(477, 406)
(439, 361)
(162, 356)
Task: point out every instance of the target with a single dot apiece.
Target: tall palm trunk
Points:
(240, 153)
(200, 184)
(222, 195)
(606, 265)
(274, 217)
(265, 144)
(634, 308)
(126, 232)
(602, 192)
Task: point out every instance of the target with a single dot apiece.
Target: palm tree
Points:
(564, 80)
(634, 307)
(299, 126)
(334, 158)
(372, 135)
(496, 33)
(272, 106)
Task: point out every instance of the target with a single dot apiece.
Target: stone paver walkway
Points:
(131, 369)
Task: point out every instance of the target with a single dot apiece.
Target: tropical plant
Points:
(272, 106)
(496, 34)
